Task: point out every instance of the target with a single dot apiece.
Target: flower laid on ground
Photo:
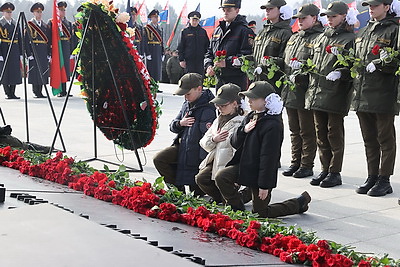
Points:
(211, 81)
(290, 244)
(346, 58)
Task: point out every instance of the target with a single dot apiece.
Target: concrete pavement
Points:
(338, 214)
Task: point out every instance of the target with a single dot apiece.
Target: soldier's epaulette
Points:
(3, 21)
(383, 41)
(309, 45)
(276, 40)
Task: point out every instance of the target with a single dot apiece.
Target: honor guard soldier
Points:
(66, 42)
(271, 40)
(39, 32)
(12, 72)
(236, 38)
(137, 41)
(153, 46)
(193, 45)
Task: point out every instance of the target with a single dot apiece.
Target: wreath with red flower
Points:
(126, 90)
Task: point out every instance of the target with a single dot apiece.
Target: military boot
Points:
(369, 183)
(381, 188)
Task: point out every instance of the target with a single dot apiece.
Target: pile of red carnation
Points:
(143, 199)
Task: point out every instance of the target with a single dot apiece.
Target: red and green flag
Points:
(181, 19)
(58, 74)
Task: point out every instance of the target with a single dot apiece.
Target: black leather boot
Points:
(289, 171)
(317, 180)
(369, 183)
(304, 199)
(331, 180)
(381, 188)
(303, 172)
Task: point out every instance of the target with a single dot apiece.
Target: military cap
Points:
(188, 82)
(80, 8)
(376, 2)
(154, 12)
(37, 6)
(62, 5)
(230, 3)
(260, 89)
(134, 9)
(336, 8)
(194, 14)
(273, 3)
(306, 10)
(7, 6)
(252, 23)
(226, 94)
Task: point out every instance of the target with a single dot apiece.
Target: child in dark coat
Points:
(180, 162)
(258, 142)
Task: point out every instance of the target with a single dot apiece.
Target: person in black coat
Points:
(180, 162)
(66, 42)
(39, 32)
(258, 142)
(193, 45)
(153, 46)
(236, 38)
(12, 73)
(138, 31)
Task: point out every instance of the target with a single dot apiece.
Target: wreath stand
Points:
(93, 24)
(22, 24)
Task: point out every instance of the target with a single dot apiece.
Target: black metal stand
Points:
(93, 24)
(22, 24)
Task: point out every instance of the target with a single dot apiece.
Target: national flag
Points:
(178, 21)
(352, 5)
(209, 25)
(142, 10)
(164, 14)
(184, 15)
(318, 3)
(294, 23)
(57, 69)
(363, 18)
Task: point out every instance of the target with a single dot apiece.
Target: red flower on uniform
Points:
(375, 50)
(328, 49)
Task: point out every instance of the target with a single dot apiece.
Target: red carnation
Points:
(328, 49)
(375, 50)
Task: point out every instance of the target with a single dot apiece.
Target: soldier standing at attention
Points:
(301, 121)
(236, 38)
(153, 46)
(39, 31)
(12, 72)
(66, 42)
(271, 40)
(193, 45)
(138, 31)
(375, 97)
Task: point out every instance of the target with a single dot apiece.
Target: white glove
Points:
(292, 78)
(295, 64)
(21, 57)
(71, 57)
(30, 58)
(333, 75)
(383, 54)
(148, 57)
(335, 50)
(237, 62)
(1, 58)
(370, 67)
(258, 70)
